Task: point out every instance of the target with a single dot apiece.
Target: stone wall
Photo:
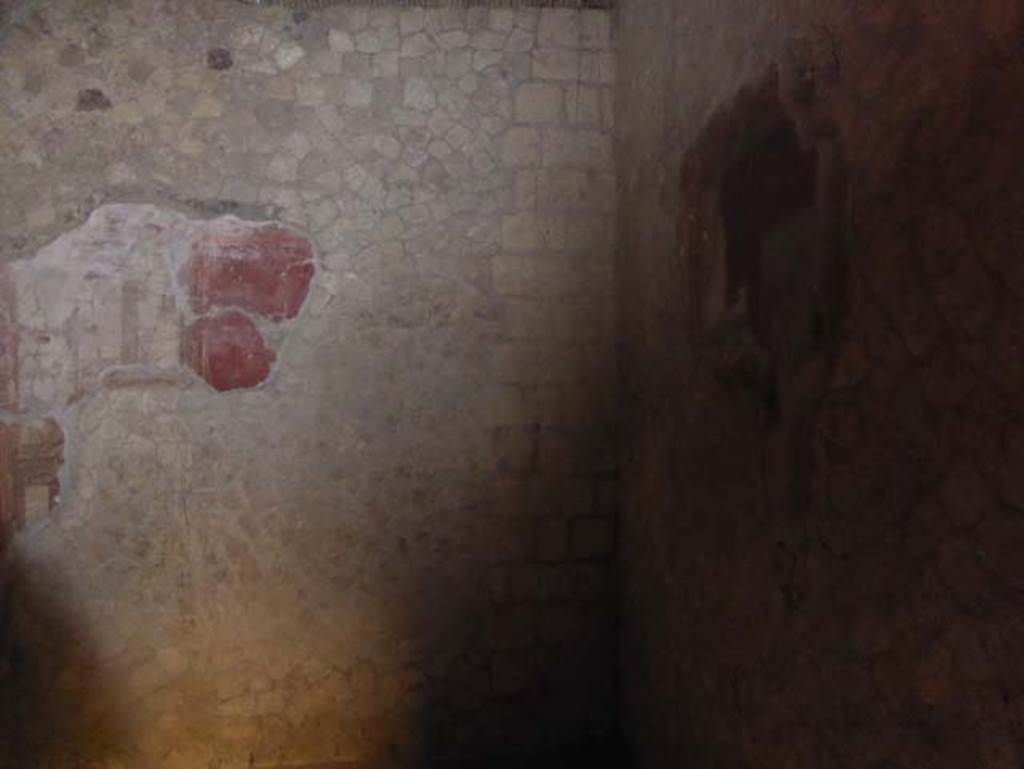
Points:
(822, 504)
(307, 383)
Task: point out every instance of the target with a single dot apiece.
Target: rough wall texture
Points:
(306, 383)
(823, 518)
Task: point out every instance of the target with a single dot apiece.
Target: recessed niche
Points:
(760, 231)
(767, 204)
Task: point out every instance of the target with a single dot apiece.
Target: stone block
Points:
(564, 624)
(385, 65)
(538, 103)
(411, 20)
(597, 68)
(555, 64)
(559, 27)
(596, 30)
(583, 149)
(502, 19)
(369, 41)
(583, 104)
(288, 55)
(487, 40)
(591, 537)
(552, 539)
(417, 46)
(519, 41)
(521, 147)
(513, 673)
(513, 627)
(526, 318)
(514, 449)
(519, 232)
(451, 40)
(419, 94)
(358, 93)
(340, 41)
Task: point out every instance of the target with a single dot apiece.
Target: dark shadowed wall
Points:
(821, 274)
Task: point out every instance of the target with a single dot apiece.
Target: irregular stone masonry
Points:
(385, 529)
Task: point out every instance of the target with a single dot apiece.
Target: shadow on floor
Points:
(603, 757)
(48, 672)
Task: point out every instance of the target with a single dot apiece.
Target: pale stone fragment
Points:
(419, 94)
(484, 59)
(368, 42)
(453, 39)
(519, 40)
(387, 146)
(417, 46)
(340, 41)
(288, 54)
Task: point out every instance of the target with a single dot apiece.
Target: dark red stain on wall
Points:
(228, 351)
(265, 271)
(774, 181)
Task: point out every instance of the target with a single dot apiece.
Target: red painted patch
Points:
(228, 351)
(265, 271)
(8, 342)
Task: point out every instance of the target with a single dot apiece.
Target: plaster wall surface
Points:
(349, 495)
(832, 583)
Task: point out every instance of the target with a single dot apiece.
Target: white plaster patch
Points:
(107, 294)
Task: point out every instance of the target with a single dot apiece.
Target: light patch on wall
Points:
(129, 287)
(136, 296)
